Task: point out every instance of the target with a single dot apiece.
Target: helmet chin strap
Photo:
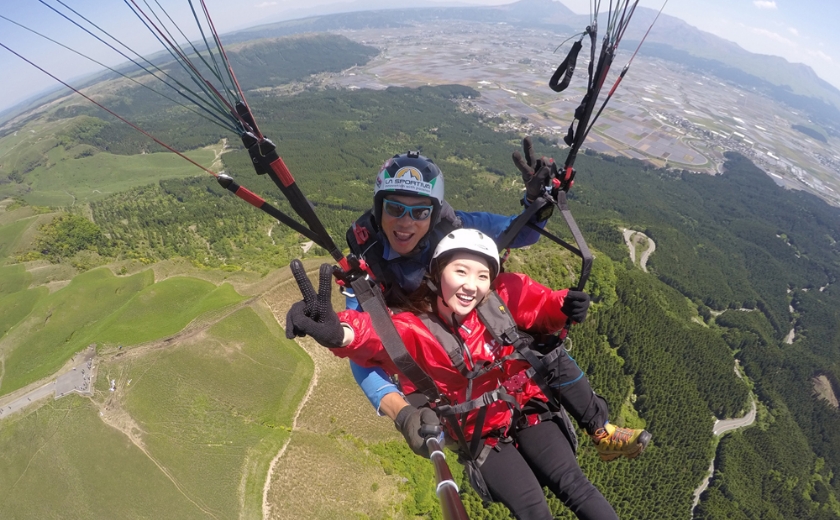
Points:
(431, 285)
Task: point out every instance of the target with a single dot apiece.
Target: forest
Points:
(739, 262)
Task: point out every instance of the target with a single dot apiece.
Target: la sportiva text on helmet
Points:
(409, 174)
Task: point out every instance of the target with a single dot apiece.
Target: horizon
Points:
(761, 27)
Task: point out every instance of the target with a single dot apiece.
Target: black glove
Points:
(575, 305)
(535, 172)
(314, 316)
(409, 421)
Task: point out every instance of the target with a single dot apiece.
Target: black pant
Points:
(515, 476)
(572, 388)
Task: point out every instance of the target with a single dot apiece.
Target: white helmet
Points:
(472, 241)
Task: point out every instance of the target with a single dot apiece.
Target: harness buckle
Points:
(356, 268)
(361, 233)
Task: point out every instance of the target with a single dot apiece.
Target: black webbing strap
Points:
(565, 69)
(449, 413)
(478, 428)
(504, 241)
(373, 303)
(500, 324)
(459, 435)
(485, 399)
(584, 252)
(445, 337)
(546, 360)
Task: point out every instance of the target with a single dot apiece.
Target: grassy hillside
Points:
(215, 409)
(189, 433)
(198, 413)
(163, 309)
(10, 235)
(64, 461)
(69, 181)
(52, 172)
(64, 323)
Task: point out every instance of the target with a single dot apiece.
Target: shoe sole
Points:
(641, 442)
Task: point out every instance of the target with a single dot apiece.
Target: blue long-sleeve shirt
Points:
(408, 273)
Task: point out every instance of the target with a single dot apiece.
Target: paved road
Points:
(77, 380)
(720, 428)
(726, 425)
(631, 245)
(651, 248)
(40, 393)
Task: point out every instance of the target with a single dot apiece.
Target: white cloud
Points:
(821, 55)
(793, 31)
(772, 36)
(265, 4)
(765, 4)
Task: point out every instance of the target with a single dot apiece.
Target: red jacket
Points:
(533, 307)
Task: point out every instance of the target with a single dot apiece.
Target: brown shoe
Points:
(613, 442)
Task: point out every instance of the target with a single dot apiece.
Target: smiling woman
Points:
(466, 262)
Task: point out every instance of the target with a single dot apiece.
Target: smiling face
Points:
(404, 233)
(464, 283)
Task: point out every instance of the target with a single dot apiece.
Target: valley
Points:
(663, 112)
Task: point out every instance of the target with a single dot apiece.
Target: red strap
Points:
(282, 172)
(250, 197)
(568, 173)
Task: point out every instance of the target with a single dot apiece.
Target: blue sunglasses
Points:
(398, 210)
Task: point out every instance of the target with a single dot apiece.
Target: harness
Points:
(367, 281)
(493, 314)
(366, 244)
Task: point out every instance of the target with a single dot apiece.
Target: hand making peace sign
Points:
(314, 315)
(535, 172)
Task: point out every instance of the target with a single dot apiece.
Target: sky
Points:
(802, 31)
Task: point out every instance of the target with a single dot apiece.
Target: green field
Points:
(64, 323)
(16, 301)
(216, 409)
(195, 422)
(16, 306)
(64, 462)
(72, 181)
(10, 234)
(99, 307)
(13, 278)
(163, 309)
(56, 172)
(209, 413)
